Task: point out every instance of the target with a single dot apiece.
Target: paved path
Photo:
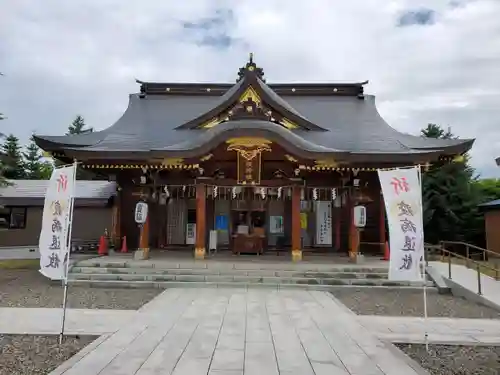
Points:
(234, 331)
(467, 278)
(440, 330)
(20, 320)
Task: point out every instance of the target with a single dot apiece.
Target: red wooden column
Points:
(116, 220)
(201, 225)
(144, 238)
(382, 224)
(296, 230)
(353, 232)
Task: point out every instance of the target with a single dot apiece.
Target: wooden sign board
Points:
(249, 170)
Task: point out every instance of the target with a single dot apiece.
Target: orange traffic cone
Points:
(124, 245)
(387, 253)
(103, 246)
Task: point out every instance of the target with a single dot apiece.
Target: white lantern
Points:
(141, 212)
(360, 216)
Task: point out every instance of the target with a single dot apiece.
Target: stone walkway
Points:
(234, 331)
(20, 320)
(440, 330)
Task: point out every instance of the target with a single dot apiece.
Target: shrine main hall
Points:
(249, 167)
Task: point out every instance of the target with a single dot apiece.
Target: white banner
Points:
(403, 203)
(323, 211)
(57, 210)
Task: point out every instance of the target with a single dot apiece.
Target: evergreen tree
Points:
(3, 157)
(78, 126)
(35, 168)
(450, 198)
(13, 164)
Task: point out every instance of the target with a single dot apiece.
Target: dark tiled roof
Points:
(32, 192)
(348, 124)
(490, 205)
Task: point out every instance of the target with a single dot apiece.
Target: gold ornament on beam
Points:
(172, 162)
(249, 147)
(327, 163)
(250, 95)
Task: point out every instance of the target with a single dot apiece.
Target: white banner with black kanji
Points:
(402, 193)
(57, 210)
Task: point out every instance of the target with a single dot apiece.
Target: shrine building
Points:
(266, 166)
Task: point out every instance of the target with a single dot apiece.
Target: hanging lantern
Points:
(280, 189)
(315, 194)
(334, 194)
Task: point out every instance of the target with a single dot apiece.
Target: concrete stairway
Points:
(99, 273)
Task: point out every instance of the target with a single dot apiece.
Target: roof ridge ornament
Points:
(251, 68)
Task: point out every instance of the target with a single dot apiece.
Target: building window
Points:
(12, 217)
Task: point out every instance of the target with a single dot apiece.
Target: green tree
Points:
(450, 198)
(78, 126)
(35, 167)
(489, 189)
(436, 131)
(3, 158)
(13, 163)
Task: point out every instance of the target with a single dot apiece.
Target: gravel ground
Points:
(455, 360)
(28, 288)
(37, 355)
(408, 302)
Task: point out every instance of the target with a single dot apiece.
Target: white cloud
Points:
(64, 58)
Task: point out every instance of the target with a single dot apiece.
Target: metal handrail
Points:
(468, 247)
(477, 264)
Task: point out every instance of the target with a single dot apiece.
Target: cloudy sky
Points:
(427, 61)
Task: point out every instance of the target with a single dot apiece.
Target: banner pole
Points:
(68, 252)
(423, 263)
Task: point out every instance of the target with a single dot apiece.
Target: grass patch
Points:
(19, 264)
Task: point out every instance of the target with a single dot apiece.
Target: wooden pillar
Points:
(353, 231)
(338, 213)
(296, 230)
(116, 220)
(144, 238)
(199, 250)
(382, 224)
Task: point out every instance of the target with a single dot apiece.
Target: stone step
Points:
(224, 266)
(182, 284)
(234, 279)
(227, 272)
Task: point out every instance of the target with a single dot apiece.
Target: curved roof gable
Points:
(252, 94)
